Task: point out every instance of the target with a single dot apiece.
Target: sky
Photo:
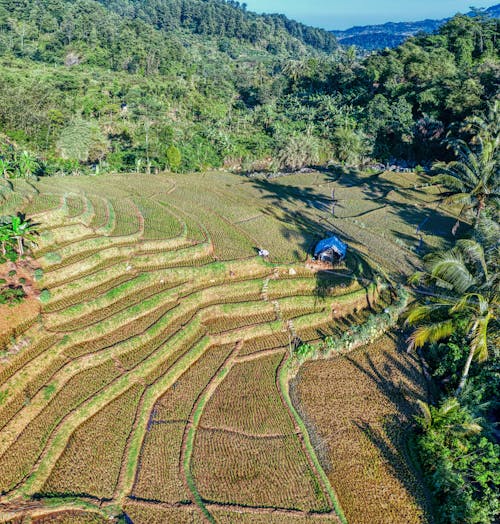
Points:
(341, 14)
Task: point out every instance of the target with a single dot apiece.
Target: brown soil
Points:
(359, 409)
(13, 319)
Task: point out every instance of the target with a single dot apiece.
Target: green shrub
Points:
(45, 296)
(11, 295)
(174, 158)
(38, 274)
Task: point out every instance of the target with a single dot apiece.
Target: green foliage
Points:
(472, 180)
(82, 141)
(298, 151)
(11, 295)
(457, 317)
(44, 296)
(109, 86)
(462, 466)
(15, 232)
(174, 158)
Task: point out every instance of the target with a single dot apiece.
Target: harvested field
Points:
(149, 380)
(70, 517)
(265, 413)
(158, 478)
(358, 409)
(242, 516)
(232, 468)
(141, 513)
(91, 462)
(178, 402)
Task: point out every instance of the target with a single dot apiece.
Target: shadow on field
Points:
(426, 220)
(393, 437)
(311, 213)
(400, 462)
(396, 393)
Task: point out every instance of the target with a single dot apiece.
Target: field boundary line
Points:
(193, 425)
(72, 420)
(153, 393)
(283, 381)
(259, 354)
(269, 436)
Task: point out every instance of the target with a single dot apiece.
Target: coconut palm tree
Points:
(23, 230)
(446, 416)
(458, 286)
(486, 126)
(473, 179)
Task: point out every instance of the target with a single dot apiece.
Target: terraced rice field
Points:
(149, 384)
(363, 441)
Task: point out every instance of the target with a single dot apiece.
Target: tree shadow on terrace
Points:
(401, 383)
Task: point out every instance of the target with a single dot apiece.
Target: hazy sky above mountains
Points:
(341, 14)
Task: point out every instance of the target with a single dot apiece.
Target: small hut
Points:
(331, 250)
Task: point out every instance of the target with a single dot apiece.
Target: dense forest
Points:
(189, 84)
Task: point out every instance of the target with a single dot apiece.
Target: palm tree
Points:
(473, 180)
(449, 416)
(458, 286)
(487, 127)
(23, 230)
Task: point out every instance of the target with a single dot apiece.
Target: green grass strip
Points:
(283, 379)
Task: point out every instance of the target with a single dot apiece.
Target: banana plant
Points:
(5, 236)
(23, 230)
(5, 168)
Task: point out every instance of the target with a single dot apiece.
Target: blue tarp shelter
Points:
(329, 249)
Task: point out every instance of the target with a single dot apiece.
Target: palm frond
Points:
(449, 405)
(426, 418)
(474, 251)
(467, 429)
(431, 333)
(450, 268)
(479, 338)
(419, 313)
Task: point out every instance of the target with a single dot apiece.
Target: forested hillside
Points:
(392, 34)
(188, 84)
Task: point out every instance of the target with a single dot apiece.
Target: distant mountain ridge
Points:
(392, 34)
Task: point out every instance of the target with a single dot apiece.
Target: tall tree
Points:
(473, 179)
(457, 286)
